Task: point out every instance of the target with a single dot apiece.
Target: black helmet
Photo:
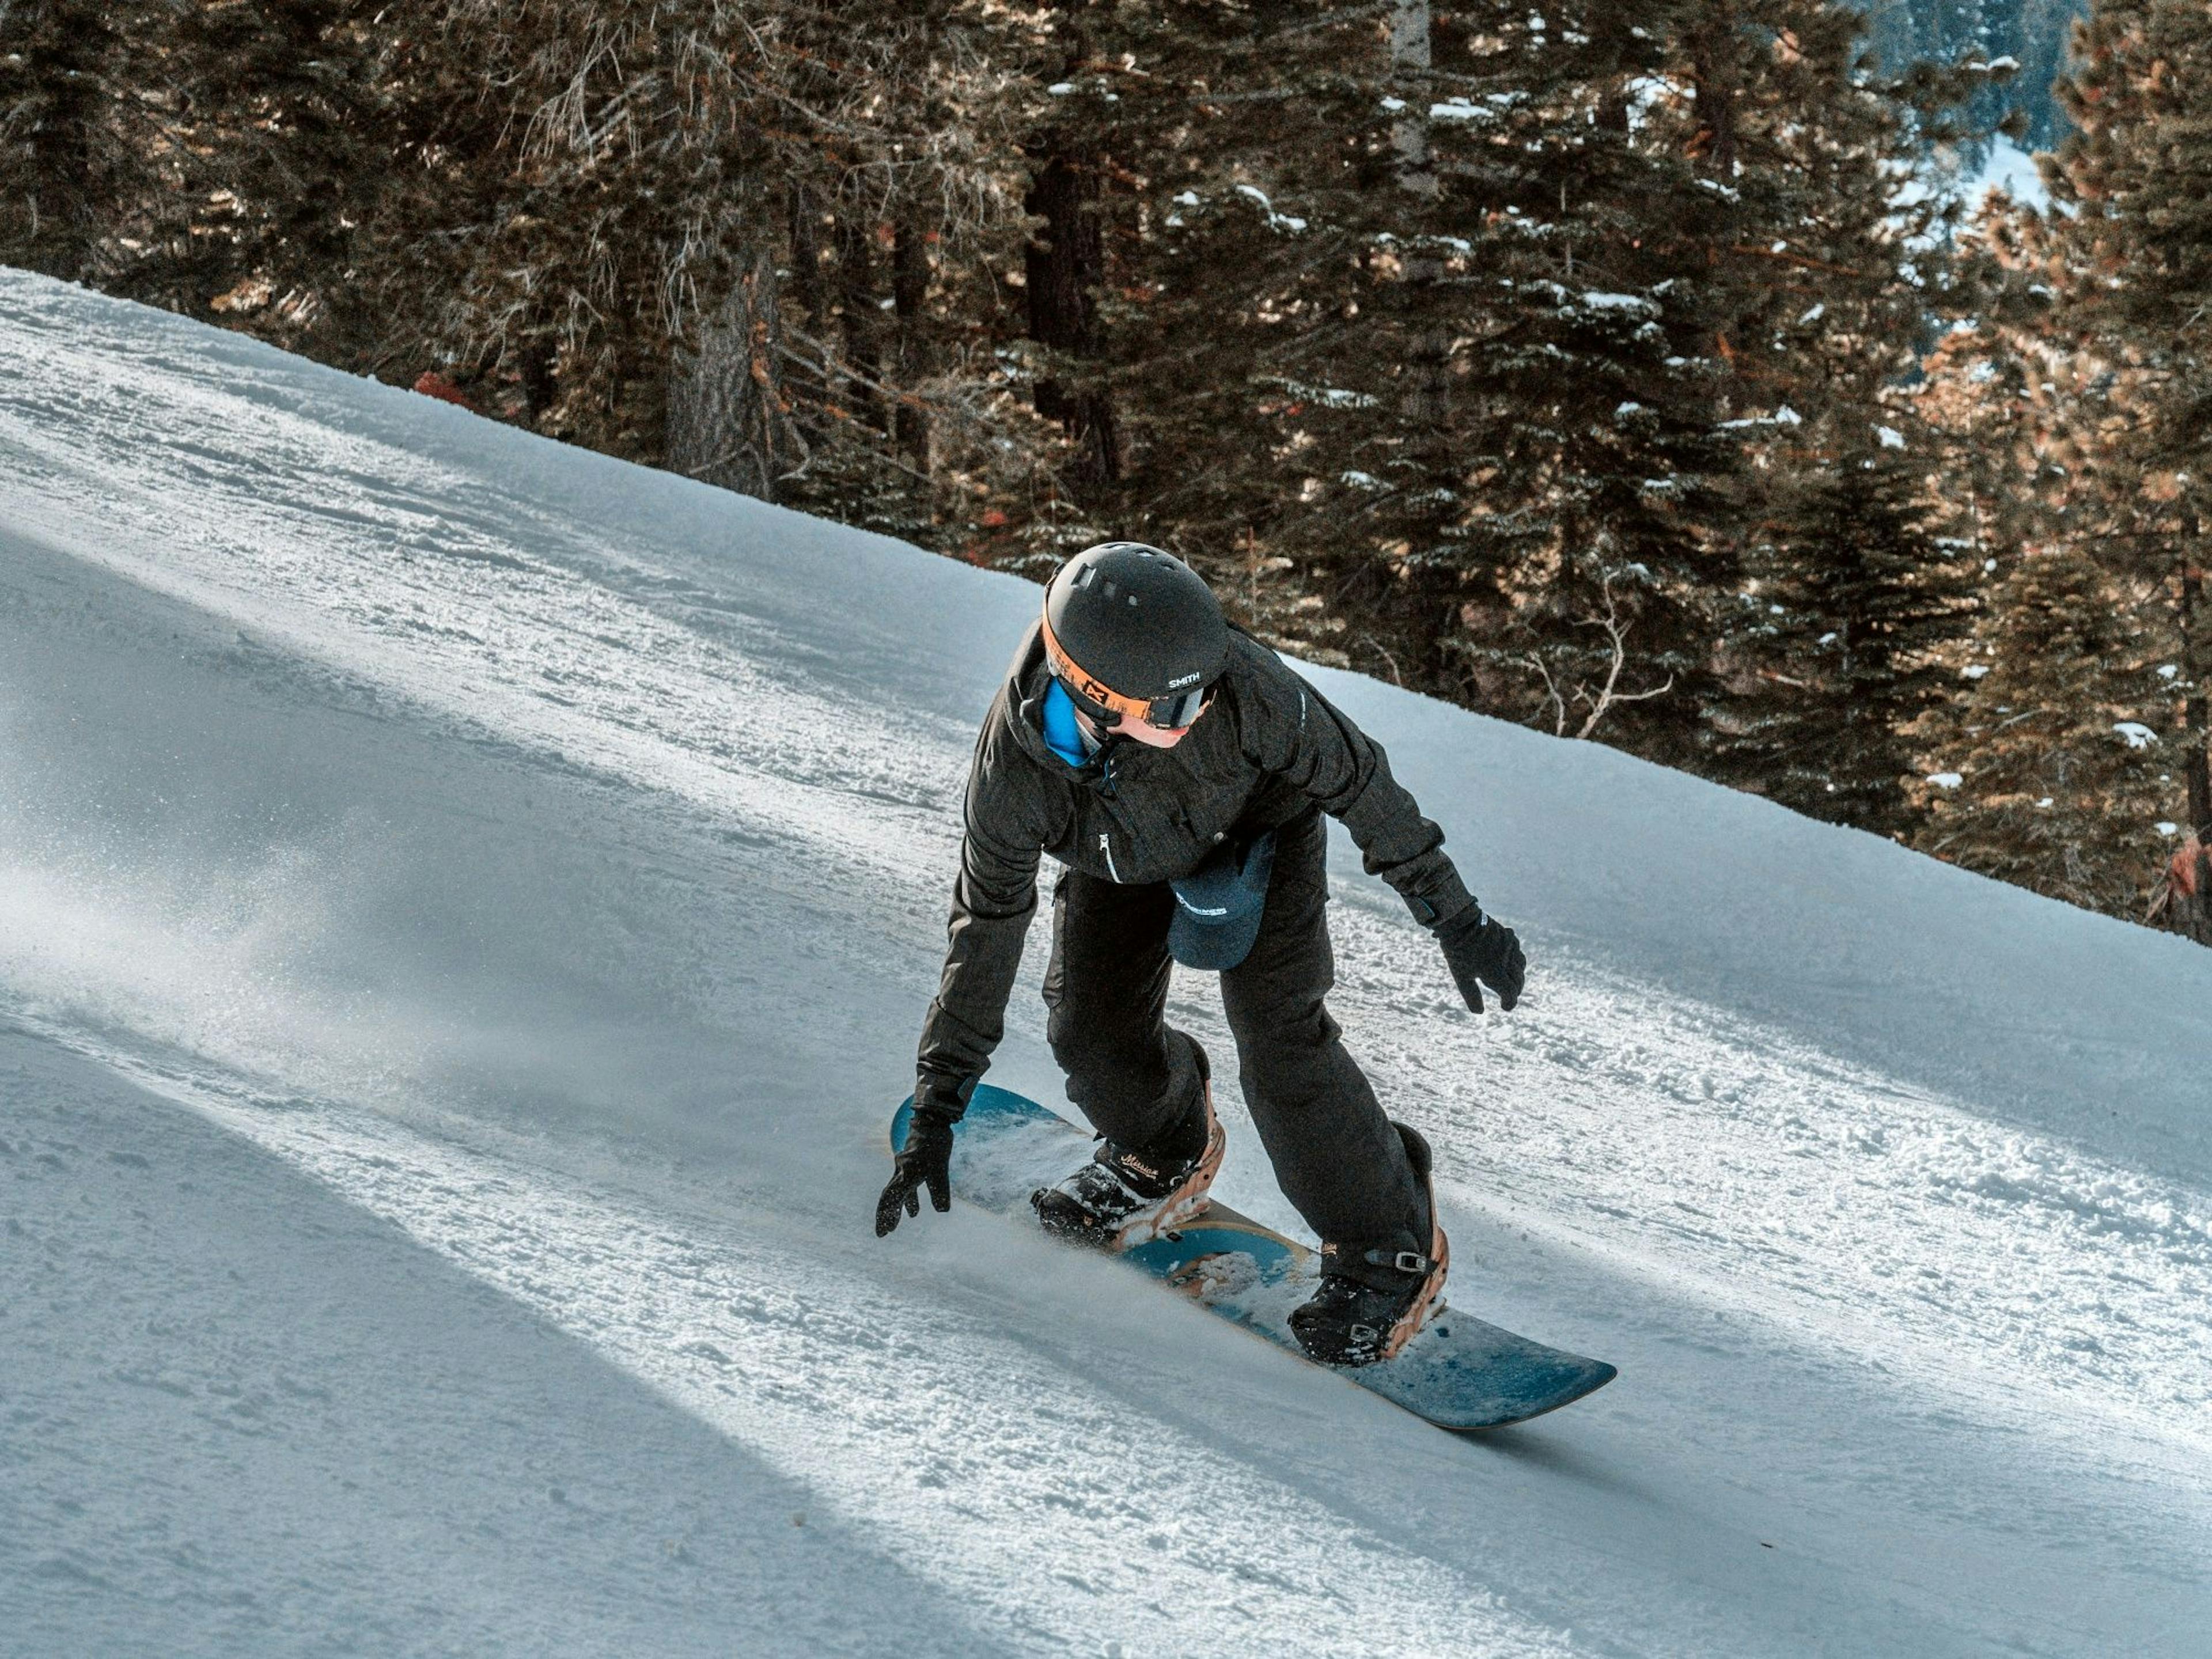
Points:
(1131, 630)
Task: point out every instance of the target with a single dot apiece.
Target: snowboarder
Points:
(1178, 770)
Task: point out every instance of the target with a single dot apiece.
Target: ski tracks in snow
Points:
(1998, 1265)
(976, 1464)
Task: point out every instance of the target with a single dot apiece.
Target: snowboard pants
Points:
(1336, 1157)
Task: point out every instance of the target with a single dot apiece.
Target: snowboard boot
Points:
(1126, 1195)
(1373, 1297)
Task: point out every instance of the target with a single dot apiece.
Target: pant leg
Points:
(1337, 1157)
(1106, 991)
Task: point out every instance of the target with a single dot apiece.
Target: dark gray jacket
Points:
(1267, 748)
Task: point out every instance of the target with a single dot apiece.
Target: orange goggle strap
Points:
(1064, 668)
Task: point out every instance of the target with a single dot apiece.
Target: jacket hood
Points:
(1027, 678)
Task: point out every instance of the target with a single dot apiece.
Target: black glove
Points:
(1481, 952)
(926, 1162)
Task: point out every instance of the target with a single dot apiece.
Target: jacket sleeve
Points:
(1293, 732)
(992, 899)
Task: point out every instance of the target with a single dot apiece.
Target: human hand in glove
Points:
(1483, 951)
(924, 1161)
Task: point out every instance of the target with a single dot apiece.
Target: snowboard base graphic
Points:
(1457, 1373)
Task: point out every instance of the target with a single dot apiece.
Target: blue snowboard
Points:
(1458, 1373)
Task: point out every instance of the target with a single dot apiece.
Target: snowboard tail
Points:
(1457, 1372)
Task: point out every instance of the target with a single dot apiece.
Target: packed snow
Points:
(467, 908)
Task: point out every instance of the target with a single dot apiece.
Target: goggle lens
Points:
(1172, 714)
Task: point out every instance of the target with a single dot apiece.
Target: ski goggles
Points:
(1105, 705)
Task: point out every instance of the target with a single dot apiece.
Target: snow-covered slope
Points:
(466, 907)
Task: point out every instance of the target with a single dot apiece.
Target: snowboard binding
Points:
(1373, 1300)
(1123, 1198)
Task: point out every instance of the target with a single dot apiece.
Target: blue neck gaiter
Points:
(1061, 732)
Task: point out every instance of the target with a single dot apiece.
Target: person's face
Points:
(1153, 736)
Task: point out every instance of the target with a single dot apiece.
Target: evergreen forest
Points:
(1648, 375)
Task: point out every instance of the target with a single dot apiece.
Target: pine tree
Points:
(1856, 624)
(283, 120)
(1831, 276)
(904, 192)
(90, 169)
(721, 242)
(1603, 529)
(2058, 763)
(2133, 255)
(1401, 367)
(1214, 302)
(211, 159)
(2047, 773)
(619, 223)
(2035, 34)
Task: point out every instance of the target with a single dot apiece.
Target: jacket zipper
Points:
(1106, 846)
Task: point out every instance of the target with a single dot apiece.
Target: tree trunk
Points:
(1065, 265)
(537, 366)
(1713, 78)
(48, 222)
(727, 420)
(806, 232)
(1427, 375)
(909, 304)
(2197, 710)
(1427, 605)
(856, 299)
(911, 240)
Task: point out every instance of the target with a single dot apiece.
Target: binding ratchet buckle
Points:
(1406, 1261)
